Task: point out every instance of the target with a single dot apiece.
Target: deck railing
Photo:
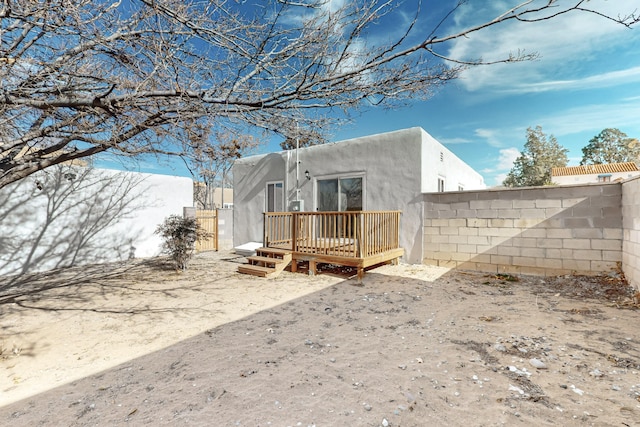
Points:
(352, 234)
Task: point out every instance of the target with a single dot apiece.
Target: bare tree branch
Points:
(82, 77)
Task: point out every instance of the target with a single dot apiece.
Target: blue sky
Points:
(587, 78)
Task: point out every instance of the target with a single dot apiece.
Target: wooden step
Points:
(279, 254)
(264, 259)
(256, 270)
(273, 261)
(272, 251)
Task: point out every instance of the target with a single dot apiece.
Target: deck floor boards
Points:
(325, 254)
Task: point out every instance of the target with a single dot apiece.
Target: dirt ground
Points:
(140, 344)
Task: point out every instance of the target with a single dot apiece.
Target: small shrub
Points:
(180, 235)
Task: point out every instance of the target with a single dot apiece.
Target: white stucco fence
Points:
(74, 216)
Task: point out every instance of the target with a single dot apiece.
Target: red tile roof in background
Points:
(595, 169)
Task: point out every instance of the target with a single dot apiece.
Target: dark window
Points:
(275, 197)
(340, 194)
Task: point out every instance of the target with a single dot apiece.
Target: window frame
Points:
(266, 196)
(339, 177)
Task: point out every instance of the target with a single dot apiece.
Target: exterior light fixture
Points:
(307, 174)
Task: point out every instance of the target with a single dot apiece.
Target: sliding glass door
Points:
(339, 194)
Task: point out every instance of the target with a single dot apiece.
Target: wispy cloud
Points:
(490, 136)
(499, 172)
(607, 79)
(454, 141)
(592, 117)
(507, 157)
(296, 16)
(568, 46)
(332, 6)
(499, 179)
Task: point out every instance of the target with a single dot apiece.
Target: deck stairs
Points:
(267, 262)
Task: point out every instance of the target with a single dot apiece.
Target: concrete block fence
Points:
(538, 230)
(631, 230)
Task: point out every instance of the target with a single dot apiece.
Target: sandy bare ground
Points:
(141, 344)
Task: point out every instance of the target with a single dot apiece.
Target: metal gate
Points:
(208, 220)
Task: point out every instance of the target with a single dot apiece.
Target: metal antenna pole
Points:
(297, 165)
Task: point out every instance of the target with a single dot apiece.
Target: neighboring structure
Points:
(585, 174)
(216, 198)
(388, 171)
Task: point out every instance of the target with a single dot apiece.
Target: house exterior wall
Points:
(392, 165)
(538, 230)
(591, 178)
(631, 231)
(439, 162)
(250, 176)
(74, 216)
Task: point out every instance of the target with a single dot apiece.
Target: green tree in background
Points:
(533, 166)
(610, 146)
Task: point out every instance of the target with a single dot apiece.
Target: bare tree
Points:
(211, 162)
(81, 77)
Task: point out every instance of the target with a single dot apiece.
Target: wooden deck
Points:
(359, 239)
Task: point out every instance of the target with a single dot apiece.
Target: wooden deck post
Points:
(313, 268)
(361, 235)
(294, 231)
(265, 238)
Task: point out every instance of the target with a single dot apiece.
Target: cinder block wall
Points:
(539, 230)
(631, 231)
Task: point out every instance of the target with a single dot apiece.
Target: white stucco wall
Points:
(439, 162)
(392, 165)
(74, 216)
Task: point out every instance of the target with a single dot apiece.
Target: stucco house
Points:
(585, 174)
(215, 198)
(388, 171)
